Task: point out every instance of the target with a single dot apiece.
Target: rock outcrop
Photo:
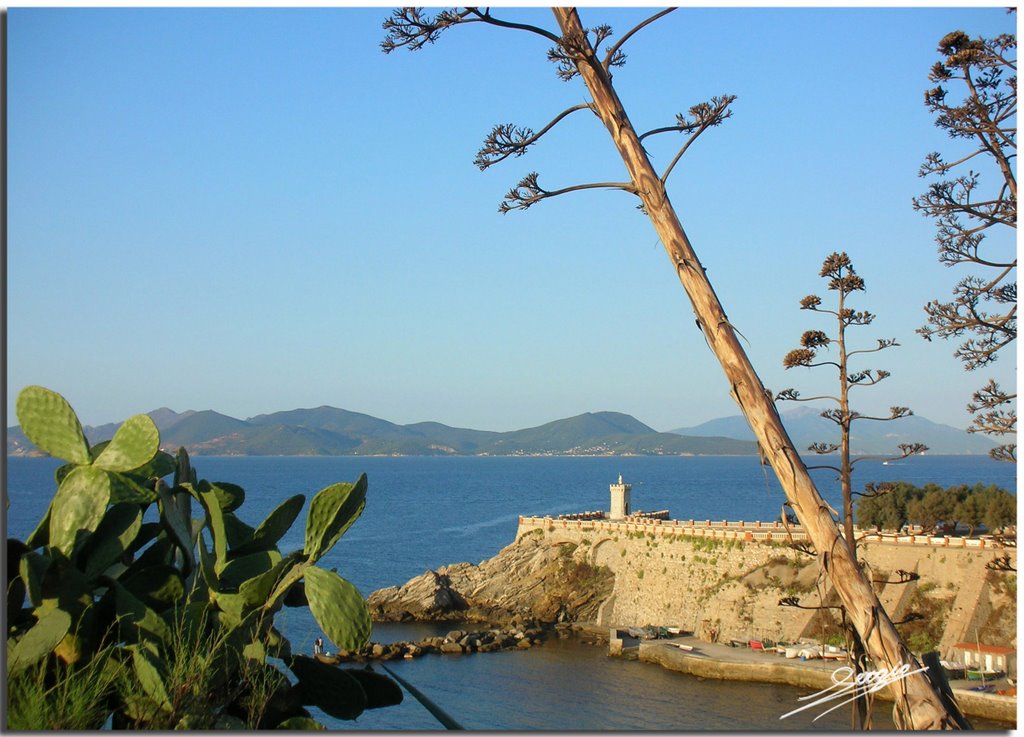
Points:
(531, 578)
(520, 636)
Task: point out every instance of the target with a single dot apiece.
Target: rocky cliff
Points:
(534, 577)
(716, 588)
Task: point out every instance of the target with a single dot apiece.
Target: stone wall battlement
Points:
(764, 532)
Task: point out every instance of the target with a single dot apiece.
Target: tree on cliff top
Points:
(983, 311)
(844, 280)
(575, 52)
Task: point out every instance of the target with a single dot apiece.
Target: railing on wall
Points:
(769, 532)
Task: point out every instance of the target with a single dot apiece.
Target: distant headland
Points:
(329, 431)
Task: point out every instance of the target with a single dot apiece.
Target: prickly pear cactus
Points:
(332, 511)
(120, 569)
(39, 641)
(338, 608)
(134, 444)
(48, 421)
(78, 507)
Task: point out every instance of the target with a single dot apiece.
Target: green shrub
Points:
(922, 642)
(835, 640)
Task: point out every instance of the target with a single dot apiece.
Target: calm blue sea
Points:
(422, 513)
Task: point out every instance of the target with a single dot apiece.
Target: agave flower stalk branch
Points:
(528, 193)
(614, 50)
(506, 140)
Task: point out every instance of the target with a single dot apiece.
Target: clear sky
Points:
(253, 210)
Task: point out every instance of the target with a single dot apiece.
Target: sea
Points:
(425, 512)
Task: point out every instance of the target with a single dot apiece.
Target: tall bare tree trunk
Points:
(859, 711)
(918, 705)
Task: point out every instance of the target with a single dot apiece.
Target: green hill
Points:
(333, 431)
(336, 420)
(201, 427)
(459, 440)
(579, 433)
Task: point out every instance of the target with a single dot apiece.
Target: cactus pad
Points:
(332, 511)
(152, 675)
(380, 690)
(158, 586)
(273, 528)
(48, 421)
(39, 641)
(78, 506)
(114, 534)
(256, 590)
(134, 445)
(327, 687)
(137, 617)
(338, 608)
(230, 496)
(215, 520)
(240, 570)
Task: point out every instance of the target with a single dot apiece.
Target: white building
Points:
(620, 499)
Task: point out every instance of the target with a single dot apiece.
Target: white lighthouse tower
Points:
(620, 499)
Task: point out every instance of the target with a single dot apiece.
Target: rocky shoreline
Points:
(530, 579)
(514, 636)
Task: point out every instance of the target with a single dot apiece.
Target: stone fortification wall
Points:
(738, 530)
(725, 580)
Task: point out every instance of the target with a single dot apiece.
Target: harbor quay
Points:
(718, 661)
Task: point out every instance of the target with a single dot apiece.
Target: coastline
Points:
(714, 661)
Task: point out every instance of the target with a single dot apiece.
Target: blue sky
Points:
(253, 210)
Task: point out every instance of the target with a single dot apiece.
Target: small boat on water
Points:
(984, 675)
(793, 651)
(810, 653)
(756, 645)
(987, 688)
(681, 646)
(831, 652)
(737, 643)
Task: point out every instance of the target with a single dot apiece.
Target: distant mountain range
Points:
(805, 425)
(332, 431)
